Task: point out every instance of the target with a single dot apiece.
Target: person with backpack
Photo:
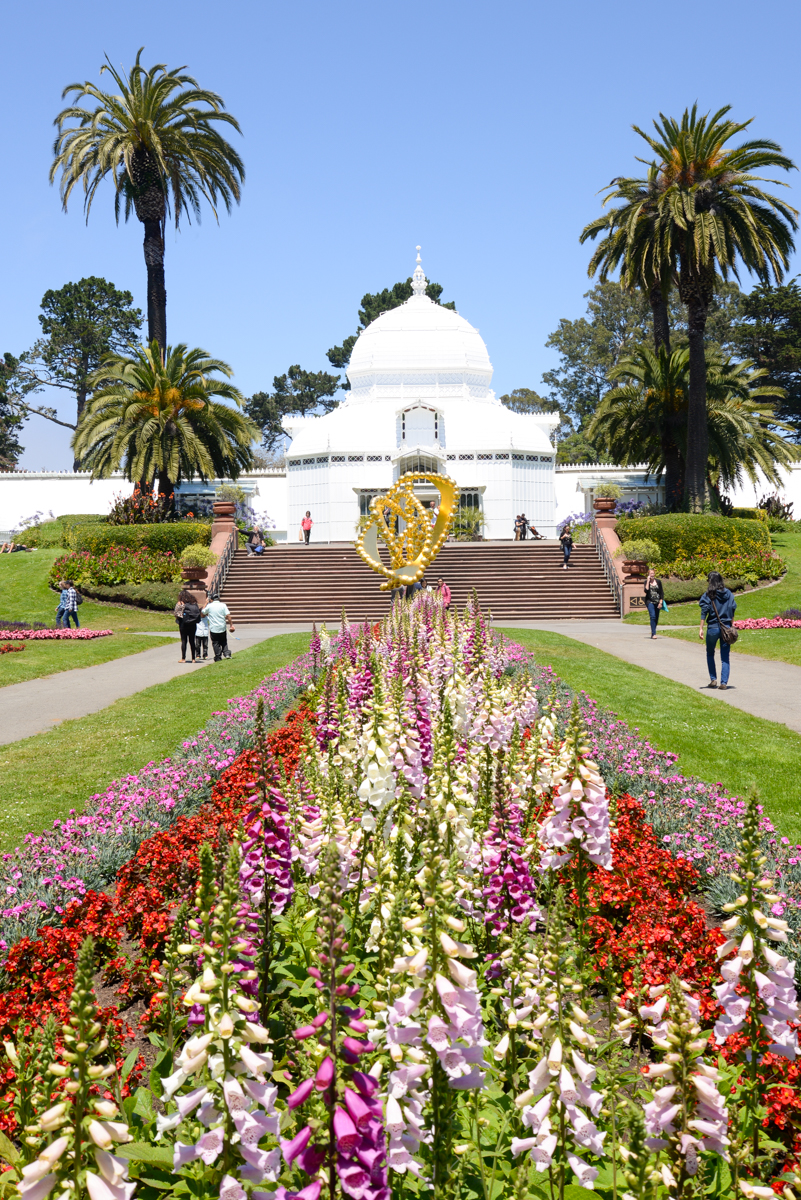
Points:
(717, 609)
(69, 604)
(187, 614)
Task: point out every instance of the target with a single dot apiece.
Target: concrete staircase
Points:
(516, 580)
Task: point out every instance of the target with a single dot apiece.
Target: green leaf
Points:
(574, 1191)
(165, 1185)
(129, 1064)
(143, 1103)
(157, 1156)
(8, 1150)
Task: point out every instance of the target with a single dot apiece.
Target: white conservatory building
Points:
(420, 400)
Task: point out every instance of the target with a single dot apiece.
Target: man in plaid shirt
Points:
(69, 602)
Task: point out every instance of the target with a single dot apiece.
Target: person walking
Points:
(306, 526)
(566, 538)
(187, 622)
(70, 604)
(444, 593)
(219, 617)
(202, 637)
(654, 599)
(717, 609)
(61, 611)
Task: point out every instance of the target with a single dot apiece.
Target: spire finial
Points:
(419, 281)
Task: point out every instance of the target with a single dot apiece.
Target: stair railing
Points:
(224, 563)
(608, 565)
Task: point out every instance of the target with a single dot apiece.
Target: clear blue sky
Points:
(482, 131)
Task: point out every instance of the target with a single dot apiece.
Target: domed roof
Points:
(419, 336)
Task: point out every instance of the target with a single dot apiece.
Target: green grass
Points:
(43, 777)
(763, 602)
(26, 596)
(782, 645)
(716, 742)
(49, 658)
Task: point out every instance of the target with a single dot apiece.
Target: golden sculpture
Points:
(413, 548)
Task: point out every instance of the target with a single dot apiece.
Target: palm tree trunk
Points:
(156, 289)
(165, 485)
(674, 475)
(697, 428)
(659, 309)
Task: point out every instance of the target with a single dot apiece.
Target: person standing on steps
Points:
(654, 599)
(566, 538)
(306, 526)
(523, 527)
(219, 616)
(717, 609)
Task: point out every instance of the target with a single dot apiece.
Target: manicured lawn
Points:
(715, 742)
(49, 658)
(25, 596)
(43, 777)
(784, 645)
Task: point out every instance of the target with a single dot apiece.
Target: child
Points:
(202, 637)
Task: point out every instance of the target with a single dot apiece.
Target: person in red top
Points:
(444, 593)
(306, 526)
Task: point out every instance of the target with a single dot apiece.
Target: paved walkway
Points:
(757, 685)
(38, 704)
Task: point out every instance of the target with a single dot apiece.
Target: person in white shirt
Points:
(219, 617)
(202, 637)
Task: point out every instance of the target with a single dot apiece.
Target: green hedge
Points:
(161, 596)
(678, 591)
(689, 535)
(170, 536)
(750, 514)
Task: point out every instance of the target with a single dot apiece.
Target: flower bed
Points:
(750, 567)
(442, 954)
(767, 623)
(53, 635)
(117, 564)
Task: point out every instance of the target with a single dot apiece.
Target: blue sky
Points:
(481, 131)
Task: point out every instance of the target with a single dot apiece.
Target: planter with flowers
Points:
(195, 560)
(638, 556)
(606, 496)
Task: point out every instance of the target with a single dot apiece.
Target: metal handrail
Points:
(609, 568)
(224, 562)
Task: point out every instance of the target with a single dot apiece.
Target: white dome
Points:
(419, 337)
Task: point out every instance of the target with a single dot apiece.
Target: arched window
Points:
(420, 426)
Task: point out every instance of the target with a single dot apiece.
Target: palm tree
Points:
(158, 141)
(705, 211)
(644, 418)
(632, 246)
(158, 417)
(647, 411)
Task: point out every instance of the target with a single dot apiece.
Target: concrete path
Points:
(39, 704)
(757, 685)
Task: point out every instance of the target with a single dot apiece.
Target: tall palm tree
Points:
(706, 213)
(159, 143)
(631, 246)
(653, 396)
(159, 417)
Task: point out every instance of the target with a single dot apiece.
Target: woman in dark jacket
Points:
(566, 538)
(187, 622)
(654, 596)
(717, 597)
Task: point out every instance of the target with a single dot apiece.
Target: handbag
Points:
(300, 535)
(664, 606)
(728, 633)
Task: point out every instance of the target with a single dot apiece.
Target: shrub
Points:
(639, 550)
(677, 591)
(117, 564)
(141, 508)
(749, 514)
(197, 555)
(688, 535)
(774, 506)
(50, 534)
(608, 491)
(160, 596)
(174, 536)
(749, 567)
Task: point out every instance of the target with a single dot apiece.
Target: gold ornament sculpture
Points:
(412, 549)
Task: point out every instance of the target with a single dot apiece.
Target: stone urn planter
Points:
(635, 569)
(224, 508)
(604, 505)
(189, 573)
